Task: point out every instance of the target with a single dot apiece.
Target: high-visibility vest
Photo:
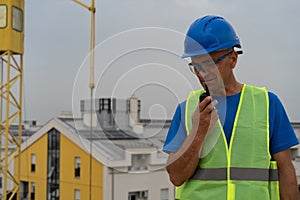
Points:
(244, 170)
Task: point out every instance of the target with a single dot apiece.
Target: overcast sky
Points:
(139, 43)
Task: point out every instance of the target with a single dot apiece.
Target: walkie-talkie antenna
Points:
(205, 94)
(206, 90)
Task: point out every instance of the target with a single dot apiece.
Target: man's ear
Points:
(233, 59)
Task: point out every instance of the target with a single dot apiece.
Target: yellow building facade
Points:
(69, 183)
(54, 167)
(38, 177)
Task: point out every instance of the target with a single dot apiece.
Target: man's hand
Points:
(205, 116)
(182, 164)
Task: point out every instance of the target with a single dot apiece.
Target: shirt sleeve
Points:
(282, 135)
(177, 133)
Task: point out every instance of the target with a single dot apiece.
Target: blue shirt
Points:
(282, 135)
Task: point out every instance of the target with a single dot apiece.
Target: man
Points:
(235, 143)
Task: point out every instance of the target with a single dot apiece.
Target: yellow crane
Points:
(92, 10)
(11, 63)
(11, 86)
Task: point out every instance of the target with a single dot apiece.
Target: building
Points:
(295, 151)
(28, 129)
(124, 152)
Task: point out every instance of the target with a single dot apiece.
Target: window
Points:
(77, 194)
(53, 164)
(164, 194)
(294, 153)
(1, 182)
(132, 196)
(24, 190)
(138, 195)
(17, 19)
(139, 162)
(3, 16)
(32, 195)
(77, 167)
(33, 162)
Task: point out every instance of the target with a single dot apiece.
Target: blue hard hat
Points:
(209, 34)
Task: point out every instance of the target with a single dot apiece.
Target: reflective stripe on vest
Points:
(244, 170)
(251, 174)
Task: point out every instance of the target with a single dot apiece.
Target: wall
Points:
(132, 182)
(39, 148)
(68, 182)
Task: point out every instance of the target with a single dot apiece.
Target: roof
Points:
(77, 125)
(14, 131)
(112, 148)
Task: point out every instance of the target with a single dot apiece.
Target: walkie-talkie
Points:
(204, 95)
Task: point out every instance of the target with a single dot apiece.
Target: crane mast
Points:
(11, 80)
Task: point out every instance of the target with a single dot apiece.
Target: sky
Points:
(138, 48)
